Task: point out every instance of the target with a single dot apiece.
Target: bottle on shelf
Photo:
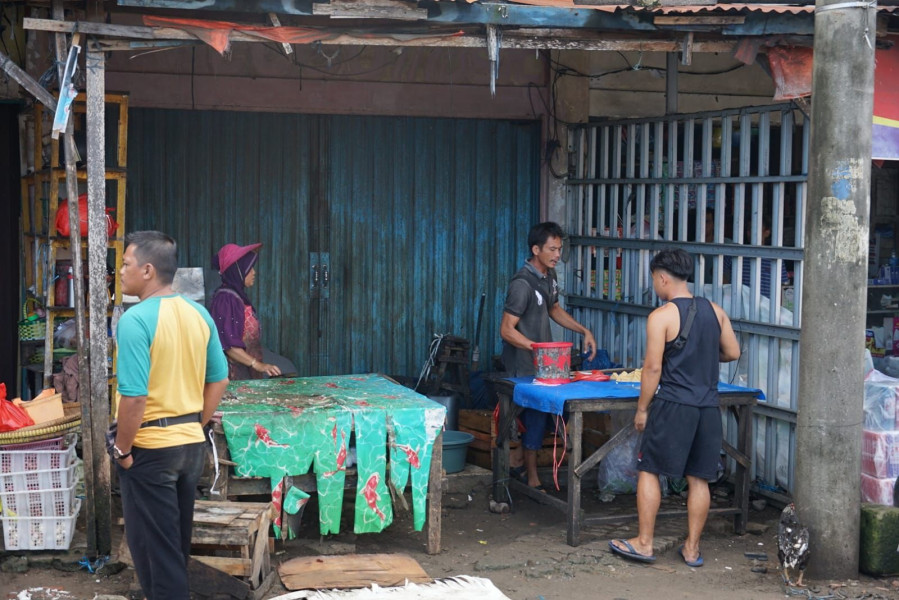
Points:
(71, 280)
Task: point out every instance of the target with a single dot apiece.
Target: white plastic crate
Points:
(48, 479)
(16, 461)
(40, 533)
(39, 503)
(53, 444)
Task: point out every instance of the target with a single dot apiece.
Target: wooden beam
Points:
(686, 57)
(27, 82)
(98, 288)
(276, 22)
(361, 9)
(544, 39)
(138, 37)
(84, 396)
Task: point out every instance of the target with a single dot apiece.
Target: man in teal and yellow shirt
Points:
(172, 373)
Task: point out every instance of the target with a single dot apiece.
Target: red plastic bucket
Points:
(552, 362)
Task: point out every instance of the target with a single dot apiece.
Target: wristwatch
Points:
(118, 454)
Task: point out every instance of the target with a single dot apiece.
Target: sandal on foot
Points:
(690, 563)
(630, 552)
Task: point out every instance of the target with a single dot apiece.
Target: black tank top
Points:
(690, 375)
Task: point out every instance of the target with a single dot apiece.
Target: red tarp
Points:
(218, 33)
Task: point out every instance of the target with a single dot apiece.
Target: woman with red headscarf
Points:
(234, 315)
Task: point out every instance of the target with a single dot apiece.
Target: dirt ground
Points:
(523, 553)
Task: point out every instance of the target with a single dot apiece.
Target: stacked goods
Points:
(880, 439)
(38, 507)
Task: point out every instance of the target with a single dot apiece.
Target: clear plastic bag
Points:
(617, 472)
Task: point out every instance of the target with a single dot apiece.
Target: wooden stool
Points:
(230, 554)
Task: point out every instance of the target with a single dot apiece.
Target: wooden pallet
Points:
(230, 549)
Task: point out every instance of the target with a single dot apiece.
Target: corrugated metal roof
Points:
(685, 9)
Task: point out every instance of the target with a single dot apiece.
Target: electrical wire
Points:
(431, 360)
(336, 63)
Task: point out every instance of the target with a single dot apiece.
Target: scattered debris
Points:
(14, 564)
(756, 555)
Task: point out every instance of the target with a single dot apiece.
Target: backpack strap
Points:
(681, 340)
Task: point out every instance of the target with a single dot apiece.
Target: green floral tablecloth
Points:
(280, 427)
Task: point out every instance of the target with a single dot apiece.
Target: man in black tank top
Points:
(686, 338)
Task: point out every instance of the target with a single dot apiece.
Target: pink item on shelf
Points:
(880, 453)
(877, 490)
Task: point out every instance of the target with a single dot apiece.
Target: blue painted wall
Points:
(415, 218)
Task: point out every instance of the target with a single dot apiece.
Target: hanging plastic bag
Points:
(62, 218)
(11, 416)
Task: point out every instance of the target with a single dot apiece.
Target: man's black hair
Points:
(543, 231)
(157, 249)
(678, 263)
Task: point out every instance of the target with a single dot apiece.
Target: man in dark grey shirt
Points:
(532, 300)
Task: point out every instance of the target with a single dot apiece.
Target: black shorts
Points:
(681, 440)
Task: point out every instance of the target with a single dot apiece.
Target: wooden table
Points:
(603, 397)
(278, 430)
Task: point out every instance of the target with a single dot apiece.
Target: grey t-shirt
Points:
(530, 297)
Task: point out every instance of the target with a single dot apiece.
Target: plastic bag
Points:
(881, 395)
(11, 416)
(62, 218)
(617, 472)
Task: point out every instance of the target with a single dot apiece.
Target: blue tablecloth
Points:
(551, 398)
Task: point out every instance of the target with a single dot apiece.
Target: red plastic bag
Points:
(11, 416)
(62, 218)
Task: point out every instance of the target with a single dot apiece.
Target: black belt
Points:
(180, 419)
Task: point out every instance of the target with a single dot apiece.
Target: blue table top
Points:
(551, 398)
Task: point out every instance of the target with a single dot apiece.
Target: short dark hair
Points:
(675, 261)
(157, 249)
(543, 231)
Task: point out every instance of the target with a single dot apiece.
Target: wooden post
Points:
(435, 496)
(78, 274)
(99, 298)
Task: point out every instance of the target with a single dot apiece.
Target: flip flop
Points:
(630, 553)
(690, 563)
(539, 488)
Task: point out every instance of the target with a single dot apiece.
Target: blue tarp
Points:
(551, 398)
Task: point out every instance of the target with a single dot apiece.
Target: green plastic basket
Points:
(31, 327)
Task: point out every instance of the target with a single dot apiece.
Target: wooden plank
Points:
(350, 571)
(361, 10)
(27, 82)
(94, 443)
(220, 537)
(207, 582)
(435, 497)
(475, 420)
(260, 551)
(234, 566)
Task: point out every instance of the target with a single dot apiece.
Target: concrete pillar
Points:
(830, 417)
(571, 105)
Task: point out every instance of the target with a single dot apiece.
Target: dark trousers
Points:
(158, 506)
